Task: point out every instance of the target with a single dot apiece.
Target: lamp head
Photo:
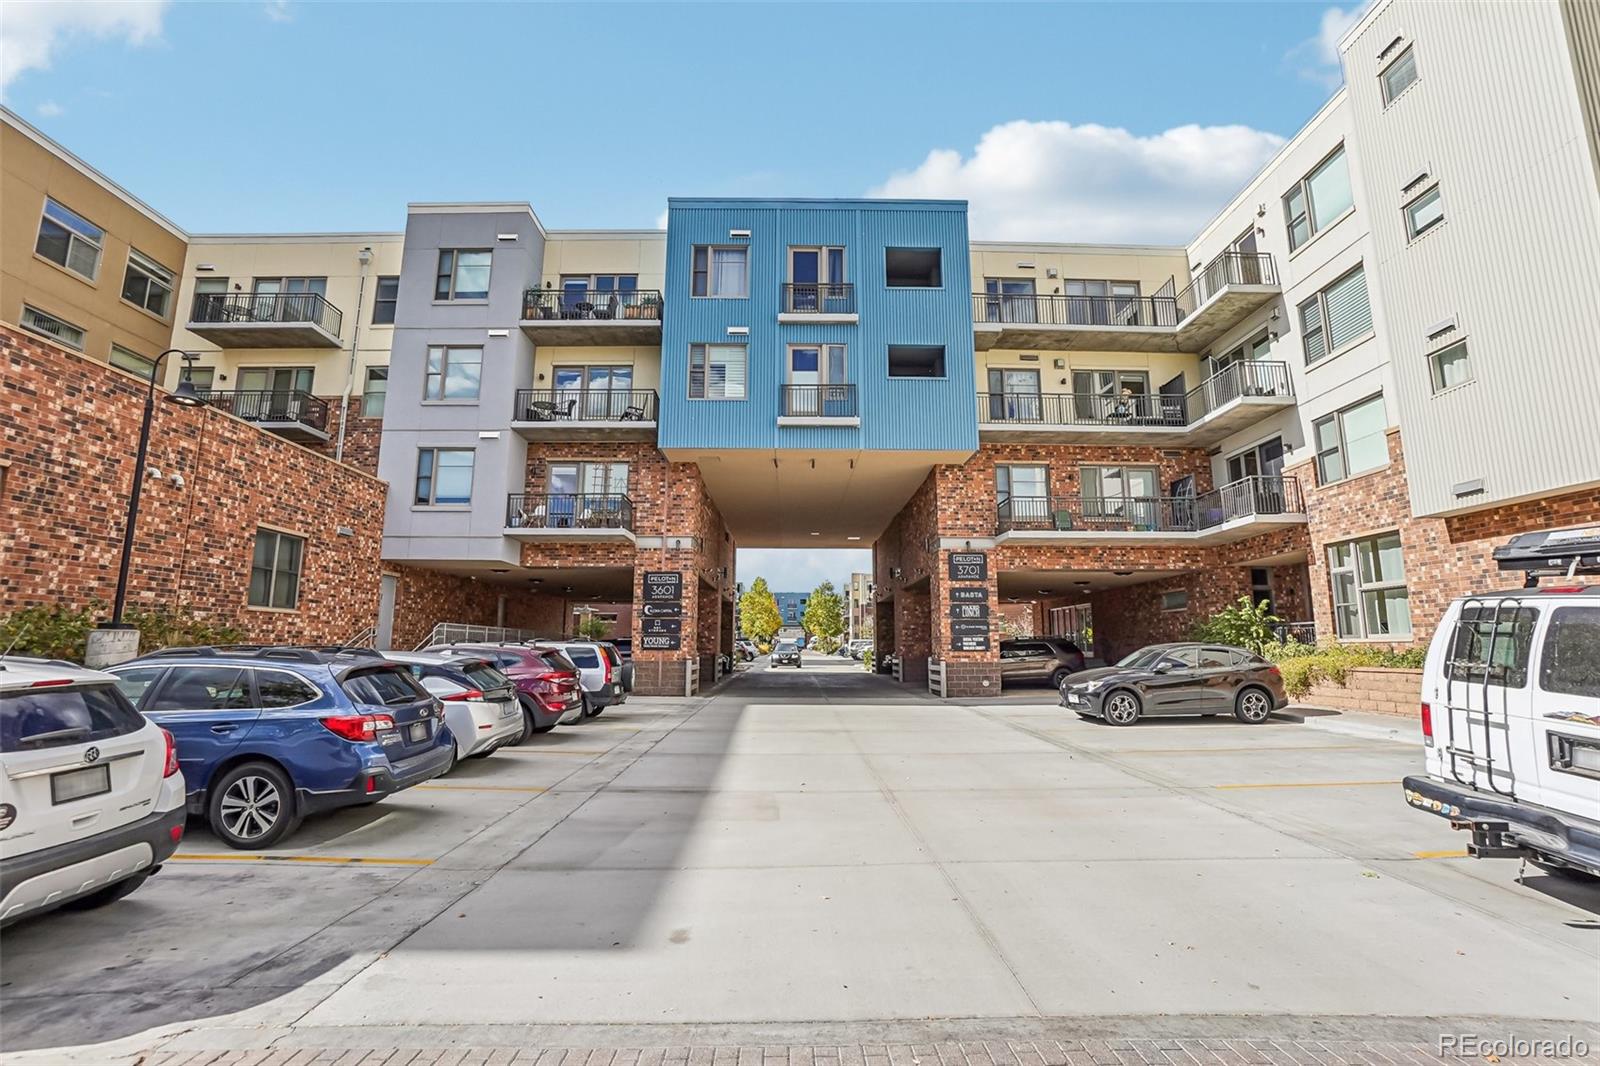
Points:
(185, 395)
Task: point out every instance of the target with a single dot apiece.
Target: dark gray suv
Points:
(1041, 659)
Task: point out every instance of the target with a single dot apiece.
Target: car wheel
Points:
(109, 894)
(530, 726)
(1252, 706)
(1059, 678)
(252, 806)
(1121, 708)
(588, 708)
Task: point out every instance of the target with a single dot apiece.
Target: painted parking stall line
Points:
(324, 860)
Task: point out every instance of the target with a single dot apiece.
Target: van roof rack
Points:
(1562, 552)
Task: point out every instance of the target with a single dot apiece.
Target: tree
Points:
(1243, 625)
(824, 617)
(593, 627)
(758, 612)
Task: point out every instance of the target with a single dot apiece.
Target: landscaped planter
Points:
(1377, 689)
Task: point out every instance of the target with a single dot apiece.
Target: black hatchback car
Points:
(1173, 679)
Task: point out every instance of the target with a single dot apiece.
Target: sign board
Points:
(963, 595)
(970, 611)
(660, 642)
(108, 647)
(661, 626)
(969, 636)
(969, 566)
(663, 586)
(663, 610)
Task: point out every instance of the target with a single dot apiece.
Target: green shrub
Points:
(160, 627)
(60, 632)
(1304, 666)
(1243, 625)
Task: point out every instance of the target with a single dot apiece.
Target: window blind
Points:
(1349, 310)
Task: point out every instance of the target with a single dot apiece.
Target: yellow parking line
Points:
(480, 788)
(1459, 854)
(1309, 784)
(331, 860)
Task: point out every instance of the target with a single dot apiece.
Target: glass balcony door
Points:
(1014, 395)
(812, 368)
(271, 392)
(1009, 300)
(594, 393)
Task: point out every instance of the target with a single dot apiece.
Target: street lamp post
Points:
(109, 643)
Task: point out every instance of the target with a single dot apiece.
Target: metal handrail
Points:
(1058, 310)
(1261, 378)
(819, 401)
(231, 308)
(591, 305)
(1247, 497)
(819, 298)
(568, 510)
(584, 405)
(271, 405)
(1229, 268)
(1295, 632)
(465, 633)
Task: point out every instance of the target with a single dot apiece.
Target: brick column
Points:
(967, 673)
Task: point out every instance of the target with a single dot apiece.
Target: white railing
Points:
(462, 633)
(691, 677)
(936, 679)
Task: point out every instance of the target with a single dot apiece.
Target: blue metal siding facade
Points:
(896, 414)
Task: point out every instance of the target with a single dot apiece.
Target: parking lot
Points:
(813, 855)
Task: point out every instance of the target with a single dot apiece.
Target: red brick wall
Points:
(71, 427)
(1127, 618)
(361, 435)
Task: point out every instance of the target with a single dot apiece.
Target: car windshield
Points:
(584, 658)
(786, 647)
(1141, 658)
(383, 687)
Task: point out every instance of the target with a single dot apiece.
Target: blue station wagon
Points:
(268, 735)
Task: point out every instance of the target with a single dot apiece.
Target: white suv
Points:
(91, 799)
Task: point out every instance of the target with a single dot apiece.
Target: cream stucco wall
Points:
(1055, 368)
(646, 363)
(1150, 267)
(641, 252)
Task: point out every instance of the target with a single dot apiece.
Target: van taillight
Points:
(171, 765)
(1427, 725)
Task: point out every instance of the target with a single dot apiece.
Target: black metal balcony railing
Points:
(584, 405)
(1229, 268)
(819, 401)
(1295, 632)
(1249, 378)
(234, 308)
(591, 305)
(819, 298)
(568, 510)
(1248, 497)
(271, 405)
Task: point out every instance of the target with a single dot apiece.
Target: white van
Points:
(1511, 709)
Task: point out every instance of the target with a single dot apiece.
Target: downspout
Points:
(365, 255)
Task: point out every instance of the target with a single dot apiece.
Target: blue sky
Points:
(1129, 122)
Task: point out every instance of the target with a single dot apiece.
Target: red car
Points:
(548, 685)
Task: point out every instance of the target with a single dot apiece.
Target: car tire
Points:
(530, 726)
(1059, 678)
(108, 894)
(1252, 706)
(1121, 707)
(253, 793)
(588, 708)
(455, 757)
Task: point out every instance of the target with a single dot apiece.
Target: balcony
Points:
(566, 317)
(1227, 401)
(1231, 286)
(819, 302)
(1233, 512)
(569, 516)
(819, 405)
(582, 414)
(266, 320)
(294, 415)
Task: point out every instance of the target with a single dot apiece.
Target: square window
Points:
(147, 284)
(1398, 75)
(1318, 200)
(463, 274)
(444, 476)
(721, 273)
(1369, 590)
(1423, 213)
(1175, 600)
(717, 371)
(913, 268)
(69, 240)
(452, 373)
(916, 361)
(1449, 367)
(275, 570)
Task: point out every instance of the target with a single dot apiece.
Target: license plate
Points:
(1073, 697)
(509, 709)
(80, 784)
(417, 731)
(616, 689)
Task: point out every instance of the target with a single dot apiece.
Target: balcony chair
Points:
(632, 414)
(609, 311)
(529, 519)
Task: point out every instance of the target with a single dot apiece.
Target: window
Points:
(34, 720)
(717, 371)
(1449, 367)
(1176, 600)
(384, 300)
(1021, 488)
(1318, 200)
(1484, 644)
(1336, 316)
(50, 326)
(720, 273)
(274, 688)
(373, 392)
(1369, 588)
(69, 240)
(135, 682)
(1351, 441)
(1099, 302)
(444, 476)
(916, 361)
(203, 688)
(1423, 213)
(131, 361)
(201, 377)
(275, 570)
(912, 268)
(147, 283)
(1398, 76)
(1113, 484)
(384, 687)
(1570, 661)
(453, 373)
(463, 274)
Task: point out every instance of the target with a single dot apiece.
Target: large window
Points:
(717, 371)
(1119, 482)
(1369, 588)
(1336, 316)
(1318, 199)
(1351, 441)
(1491, 644)
(275, 570)
(453, 373)
(1423, 213)
(913, 268)
(67, 239)
(444, 476)
(147, 283)
(131, 361)
(1398, 75)
(50, 326)
(463, 274)
(721, 273)
(1449, 367)
(916, 361)
(374, 391)
(1569, 663)
(384, 299)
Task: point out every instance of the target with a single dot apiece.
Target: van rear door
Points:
(1479, 694)
(1566, 725)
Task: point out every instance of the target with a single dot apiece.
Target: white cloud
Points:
(1317, 57)
(800, 569)
(32, 31)
(661, 219)
(278, 10)
(1054, 181)
(50, 109)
